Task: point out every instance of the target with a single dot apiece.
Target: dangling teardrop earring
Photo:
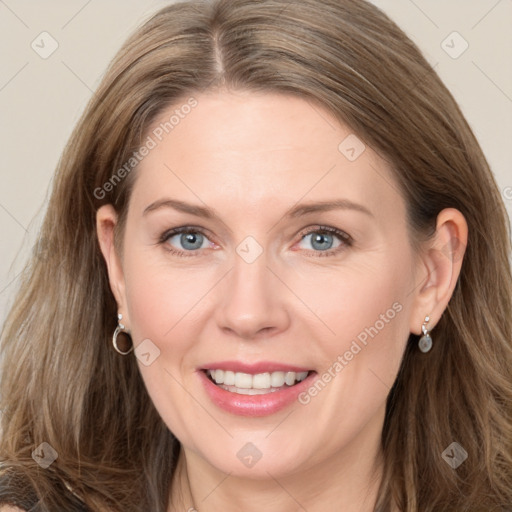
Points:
(425, 343)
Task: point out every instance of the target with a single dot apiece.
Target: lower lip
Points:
(254, 405)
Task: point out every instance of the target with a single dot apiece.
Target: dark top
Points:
(26, 498)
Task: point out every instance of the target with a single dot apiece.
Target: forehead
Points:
(251, 150)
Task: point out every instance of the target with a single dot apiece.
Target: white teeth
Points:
(290, 378)
(243, 380)
(260, 381)
(219, 375)
(242, 391)
(229, 378)
(277, 379)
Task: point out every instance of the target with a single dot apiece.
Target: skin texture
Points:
(250, 157)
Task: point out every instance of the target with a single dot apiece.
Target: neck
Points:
(348, 481)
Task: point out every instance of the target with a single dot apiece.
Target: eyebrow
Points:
(294, 212)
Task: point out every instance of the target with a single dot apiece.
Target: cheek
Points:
(365, 314)
(356, 303)
(161, 296)
(162, 304)
(368, 314)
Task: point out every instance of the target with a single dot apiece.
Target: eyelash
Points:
(346, 239)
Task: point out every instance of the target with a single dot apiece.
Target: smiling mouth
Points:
(257, 384)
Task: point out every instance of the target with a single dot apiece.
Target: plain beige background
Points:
(41, 99)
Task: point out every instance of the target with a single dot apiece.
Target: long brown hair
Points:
(61, 381)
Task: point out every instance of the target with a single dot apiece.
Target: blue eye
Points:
(326, 240)
(188, 240)
(320, 241)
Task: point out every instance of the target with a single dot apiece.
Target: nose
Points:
(253, 301)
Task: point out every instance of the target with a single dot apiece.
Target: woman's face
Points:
(294, 256)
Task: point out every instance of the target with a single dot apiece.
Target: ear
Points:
(106, 220)
(439, 267)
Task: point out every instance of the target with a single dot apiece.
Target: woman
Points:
(277, 279)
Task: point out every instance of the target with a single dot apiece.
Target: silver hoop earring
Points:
(425, 343)
(120, 330)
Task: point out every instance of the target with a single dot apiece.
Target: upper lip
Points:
(254, 368)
